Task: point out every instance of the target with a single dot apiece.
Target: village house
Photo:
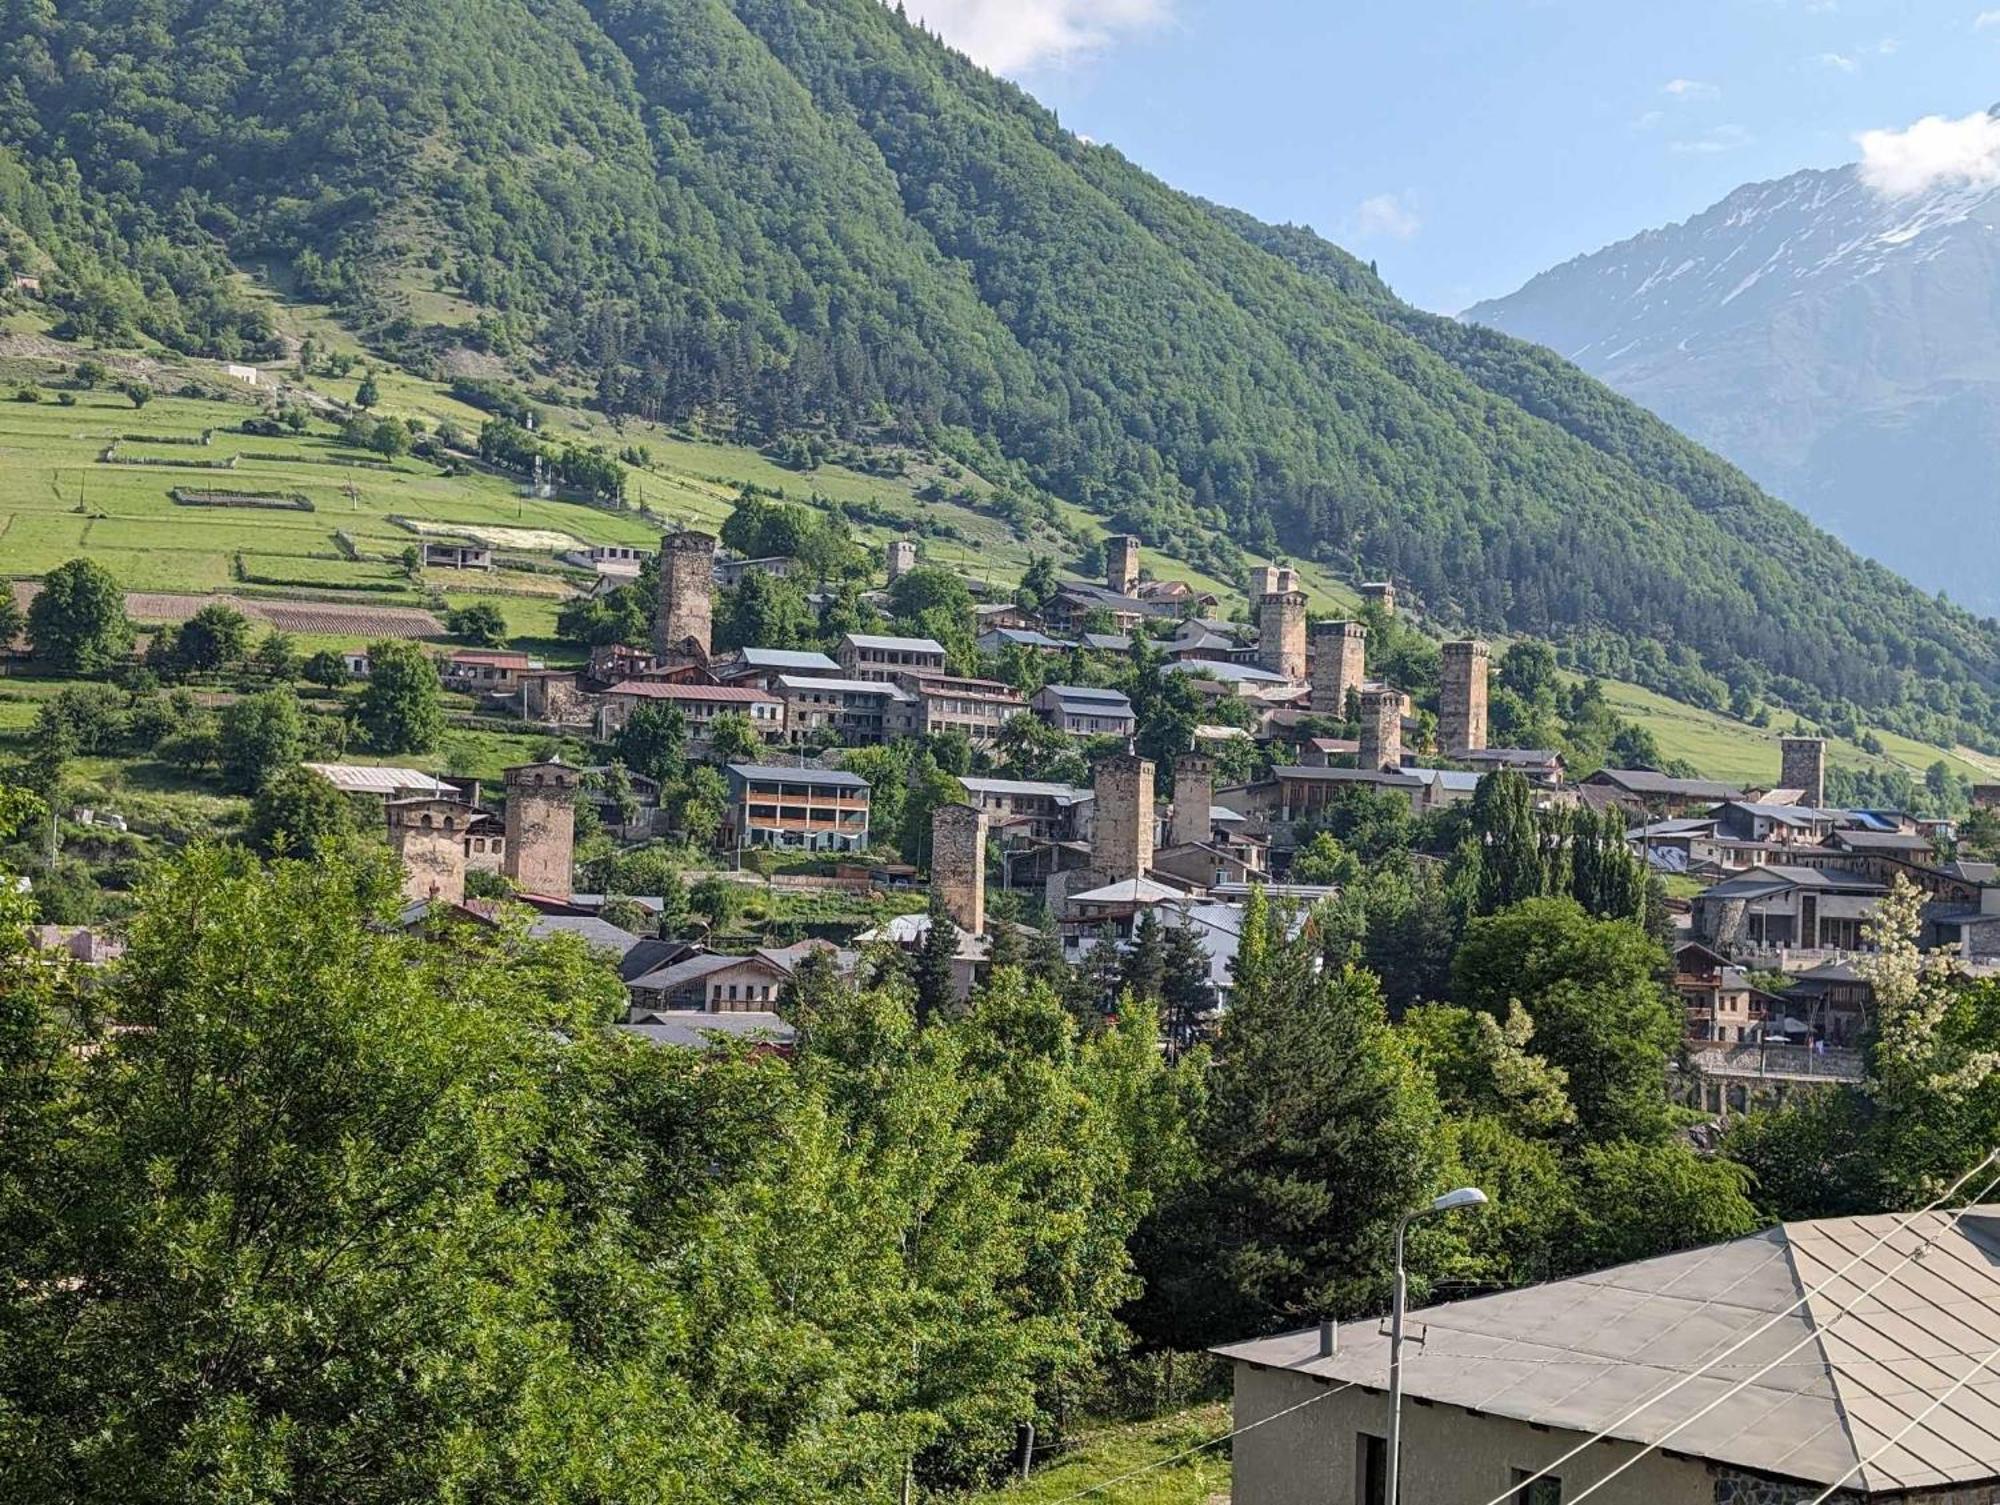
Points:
(1786, 907)
(730, 572)
(976, 707)
(762, 666)
(1029, 807)
(700, 704)
(618, 561)
(1083, 711)
(486, 671)
(995, 639)
(1661, 794)
(869, 656)
(854, 712)
(458, 556)
(1717, 1001)
(1531, 1394)
(811, 809)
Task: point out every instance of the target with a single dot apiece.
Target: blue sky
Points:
(1467, 144)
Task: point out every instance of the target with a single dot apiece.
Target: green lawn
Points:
(1112, 1452)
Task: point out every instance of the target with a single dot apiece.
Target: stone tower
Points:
(1462, 697)
(1121, 563)
(1802, 765)
(1122, 824)
(1381, 730)
(1380, 593)
(1194, 792)
(958, 864)
(1339, 664)
(1281, 634)
(541, 827)
(428, 838)
(1271, 580)
(900, 558)
(686, 613)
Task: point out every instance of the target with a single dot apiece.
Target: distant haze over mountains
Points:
(1838, 341)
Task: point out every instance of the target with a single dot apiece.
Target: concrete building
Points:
(1339, 664)
(958, 864)
(1802, 766)
(1121, 563)
(1122, 822)
(1462, 697)
(1281, 634)
(865, 655)
(815, 809)
(684, 622)
(1381, 730)
(857, 711)
(976, 707)
(428, 837)
(458, 556)
(1040, 810)
(700, 704)
(1868, 1338)
(899, 557)
(1381, 594)
(1194, 796)
(1084, 711)
(541, 827)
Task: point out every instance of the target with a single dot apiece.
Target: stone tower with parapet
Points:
(541, 827)
(1462, 697)
(958, 864)
(684, 621)
(1339, 664)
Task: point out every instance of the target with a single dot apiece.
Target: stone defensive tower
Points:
(541, 827)
(958, 864)
(900, 557)
(1339, 664)
(428, 838)
(1194, 792)
(1121, 563)
(686, 614)
(1462, 697)
(1122, 824)
(1802, 765)
(1281, 634)
(1380, 593)
(1381, 730)
(1271, 580)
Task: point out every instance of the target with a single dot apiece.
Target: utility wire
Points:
(1909, 1427)
(1199, 1447)
(1757, 1332)
(1813, 1335)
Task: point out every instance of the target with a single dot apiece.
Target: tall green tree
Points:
(260, 736)
(77, 621)
(401, 709)
(1507, 838)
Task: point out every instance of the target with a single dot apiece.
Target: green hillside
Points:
(781, 223)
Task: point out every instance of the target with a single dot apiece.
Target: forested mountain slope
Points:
(786, 215)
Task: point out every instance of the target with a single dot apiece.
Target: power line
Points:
(1757, 1332)
(1908, 1427)
(1813, 1334)
(1199, 1447)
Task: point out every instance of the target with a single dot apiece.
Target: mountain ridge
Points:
(768, 218)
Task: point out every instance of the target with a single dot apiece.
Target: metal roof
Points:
(1089, 693)
(847, 686)
(978, 785)
(692, 1027)
(1894, 1346)
(765, 773)
(1646, 781)
(362, 778)
(653, 689)
(895, 645)
(787, 658)
(1233, 673)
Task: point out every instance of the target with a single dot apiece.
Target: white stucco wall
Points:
(1450, 1456)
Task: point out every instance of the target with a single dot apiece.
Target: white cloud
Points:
(1889, 46)
(1720, 138)
(1689, 88)
(1934, 151)
(1648, 120)
(1839, 62)
(1387, 214)
(1010, 35)
(1985, 19)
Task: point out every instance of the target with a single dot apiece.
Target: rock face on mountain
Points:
(1841, 344)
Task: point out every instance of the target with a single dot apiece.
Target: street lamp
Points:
(1451, 1201)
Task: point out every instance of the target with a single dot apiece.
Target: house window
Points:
(1371, 1468)
(1547, 1490)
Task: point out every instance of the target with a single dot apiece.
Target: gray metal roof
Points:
(831, 778)
(1645, 781)
(1579, 1354)
(692, 1027)
(895, 645)
(789, 658)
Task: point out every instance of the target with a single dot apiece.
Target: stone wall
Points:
(958, 864)
(1802, 765)
(541, 828)
(1462, 697)
(683, 624)
(1381, 730)
(1194, 792)
(428, 838)
(1122, 824)
(1281, 634)
(1339, 664)
(1121, 563)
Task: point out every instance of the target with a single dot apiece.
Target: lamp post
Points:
(1451, 1201)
